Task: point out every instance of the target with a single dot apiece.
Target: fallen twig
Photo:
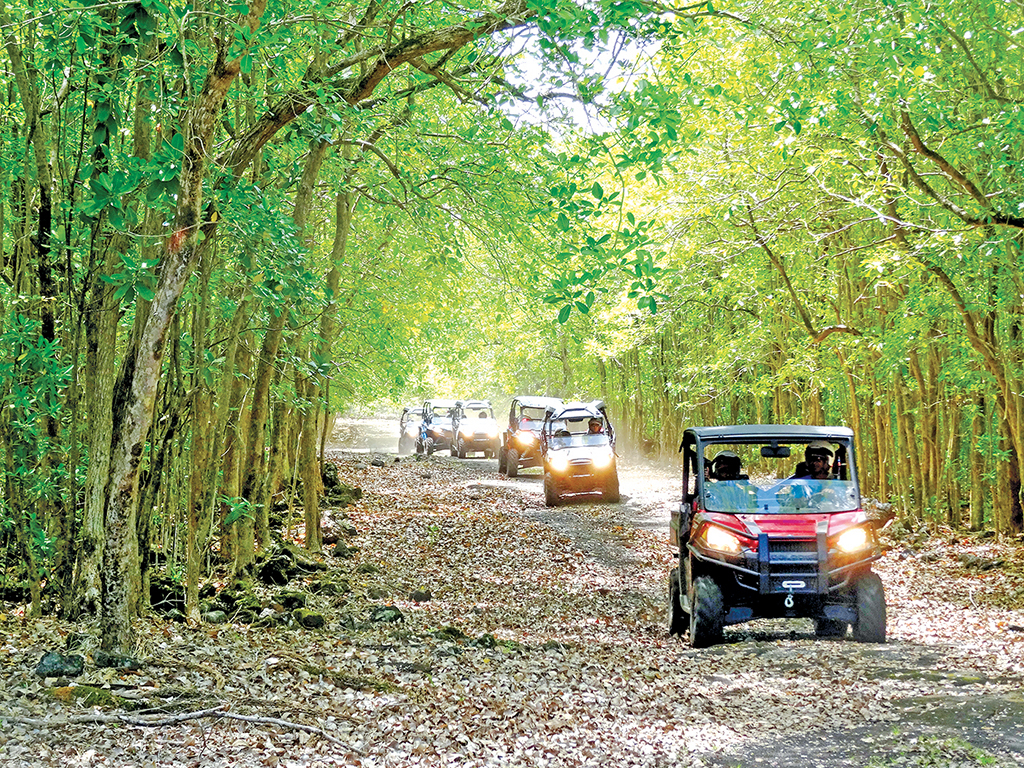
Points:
(157, 721)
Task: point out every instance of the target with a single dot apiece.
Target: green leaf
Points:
(564, 314)
(563, 222)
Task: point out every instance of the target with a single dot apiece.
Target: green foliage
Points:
(238, 509)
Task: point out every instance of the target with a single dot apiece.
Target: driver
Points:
(818, 460)
(726, 466)
(594, 427)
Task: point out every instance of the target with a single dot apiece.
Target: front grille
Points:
(580, 462)
(793, 557)
(794, 547)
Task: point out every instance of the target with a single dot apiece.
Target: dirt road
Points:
(468, 624)
(945, 690)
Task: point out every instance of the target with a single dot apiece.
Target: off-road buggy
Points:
(577, 447)
(762, 534)
(409, 428)
(436, 428)
(474, 429)
(520, 442)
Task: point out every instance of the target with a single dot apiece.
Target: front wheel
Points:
(502, 468)
(829, 628)
(870, 624)
(707, 609)
(462, 449)
(551, 497)
(676, 617)
(512, 463)
(429, 446)
(610, 493)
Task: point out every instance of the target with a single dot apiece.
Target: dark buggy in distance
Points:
(409, 428)
(577, 446)
(474, 429)
(520, 442)
(436, 428)
(773, 540)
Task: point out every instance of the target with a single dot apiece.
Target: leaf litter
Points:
(543, 643)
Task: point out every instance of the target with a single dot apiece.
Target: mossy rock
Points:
(451, 633)
(486, 640)
(344, 551)
(367, 568)
(386, 614)
(90, 696)
(343, 495)
(54, 664)
(308, 619)
(290, 599)
(330, 587)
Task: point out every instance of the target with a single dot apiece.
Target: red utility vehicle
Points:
(771, 525)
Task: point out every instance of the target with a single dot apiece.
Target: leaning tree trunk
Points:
(134, 417)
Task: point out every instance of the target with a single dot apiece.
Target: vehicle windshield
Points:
(812, 478)
(440, 411)
(478, 413)
(530, 418)
(573, 433)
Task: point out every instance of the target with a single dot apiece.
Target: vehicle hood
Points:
(479, 425)
(787, 526)
(582, 451)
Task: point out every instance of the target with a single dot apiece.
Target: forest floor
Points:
(537, 637)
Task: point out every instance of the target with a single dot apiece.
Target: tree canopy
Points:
(223, 222)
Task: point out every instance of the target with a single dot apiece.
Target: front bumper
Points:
(441, 439)
(480, 441)
(582, 476)
(786, 577)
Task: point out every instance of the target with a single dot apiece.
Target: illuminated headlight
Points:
(559, 462)
(854, 540)
(466, 431)
(721, 540)
(526, 438)
(602, 460)
(492, 432)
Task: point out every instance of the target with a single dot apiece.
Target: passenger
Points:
(594, 427)
(817, 463)
(482, 415)
(728, 489)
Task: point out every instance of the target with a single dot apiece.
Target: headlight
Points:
(602, 460)
(721, 540)
(559, 462)
(526, 438)
(854, 540)
(492, 432)
(466, 431)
